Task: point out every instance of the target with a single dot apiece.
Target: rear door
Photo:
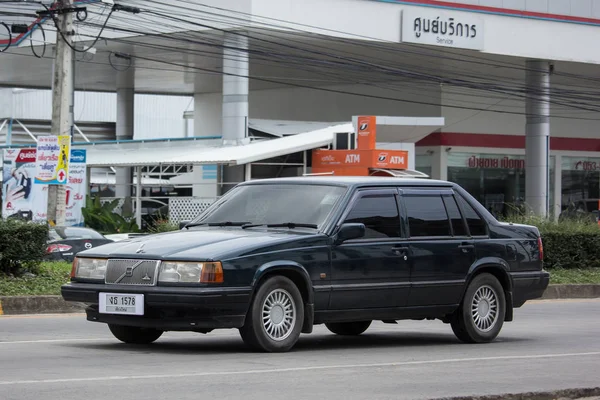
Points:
(371, 272)
(441, 251)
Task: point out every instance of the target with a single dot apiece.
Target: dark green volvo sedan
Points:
(274, 257)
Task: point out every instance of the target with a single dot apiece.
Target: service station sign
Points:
(432, 26)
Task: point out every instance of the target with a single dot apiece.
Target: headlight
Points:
(89, 268)
(190, 272)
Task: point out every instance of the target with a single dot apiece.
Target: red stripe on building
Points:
(498, 10)
(504, 141)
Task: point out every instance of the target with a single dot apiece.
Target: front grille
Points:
(132, 272)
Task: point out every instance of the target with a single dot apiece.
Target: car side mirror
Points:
(182, 224)
(350, 231)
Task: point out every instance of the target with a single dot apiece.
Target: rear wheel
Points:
(274, 320)
(480, 316)
(348, 328)
(134, 334)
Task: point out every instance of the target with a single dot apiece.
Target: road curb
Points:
(584, 393)
(553, 292)
(15, 305)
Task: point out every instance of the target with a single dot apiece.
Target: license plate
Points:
(120, 303)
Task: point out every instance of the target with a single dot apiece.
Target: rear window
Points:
(73, 233)
(426, 216)
(476, 224)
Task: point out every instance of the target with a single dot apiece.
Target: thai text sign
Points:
(52, 160)
(433, 27)
(20, 197)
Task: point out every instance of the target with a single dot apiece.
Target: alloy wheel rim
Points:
(484, 308)
(279, 315)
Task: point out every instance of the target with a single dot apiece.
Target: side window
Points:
(379, 213)
(458, 224)
(476, 225)
(427, 216)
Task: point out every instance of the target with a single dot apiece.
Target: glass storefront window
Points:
(423, 163)
(497, 181)
(580, 183)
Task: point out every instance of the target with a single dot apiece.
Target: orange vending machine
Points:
(364, 160)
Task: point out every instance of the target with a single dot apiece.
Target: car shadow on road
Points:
(207, 344)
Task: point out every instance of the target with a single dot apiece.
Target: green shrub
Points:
(163, 226)
(102, 218)
(22, 246)
(568, 244)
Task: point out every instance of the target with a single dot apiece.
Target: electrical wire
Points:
(350, 65)
(330, 90)
(31, 40)
(62, 34)
(10, 38)
(457, 82)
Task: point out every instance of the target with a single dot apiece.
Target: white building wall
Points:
(155, 116)
(161, 116)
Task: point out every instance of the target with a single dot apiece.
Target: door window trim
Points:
(431, 193)
(361, 192)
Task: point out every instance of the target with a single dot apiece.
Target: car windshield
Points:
(60, 233)
(274, 204)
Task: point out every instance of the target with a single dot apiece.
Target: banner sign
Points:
(366, 130)
(52, 160)
(21, 198)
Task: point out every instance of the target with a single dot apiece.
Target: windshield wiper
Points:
(225, 223)
(291, 225)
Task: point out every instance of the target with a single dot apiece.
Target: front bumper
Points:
(528, 286)
(168, 308)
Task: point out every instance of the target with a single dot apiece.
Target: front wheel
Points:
(274, 320)
(480, 316)
(348, 328)
(134, 335)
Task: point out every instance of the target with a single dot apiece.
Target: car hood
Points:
(203, 244)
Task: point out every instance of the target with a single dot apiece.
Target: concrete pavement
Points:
(551, 345)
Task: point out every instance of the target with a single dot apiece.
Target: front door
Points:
(441, 250)
(371, 272)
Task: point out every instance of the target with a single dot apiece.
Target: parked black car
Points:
(64, 242)
(275, 257)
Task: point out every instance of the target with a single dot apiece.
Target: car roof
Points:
(353, 181)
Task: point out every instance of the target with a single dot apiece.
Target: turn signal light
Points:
(541, 248)
(212, 272)
(74, 268)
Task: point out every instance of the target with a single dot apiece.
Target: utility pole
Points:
(62, 102)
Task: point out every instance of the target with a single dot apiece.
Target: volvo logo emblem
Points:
(140, 249)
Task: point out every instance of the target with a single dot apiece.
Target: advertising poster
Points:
(22, 198)
(52, 160)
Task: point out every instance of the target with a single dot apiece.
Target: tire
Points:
(467, 323)
(134, 335)
(348, 328)
(281, 330)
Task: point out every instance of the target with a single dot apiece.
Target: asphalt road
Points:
(550, 345)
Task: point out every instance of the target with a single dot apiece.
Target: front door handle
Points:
(401, 251)
(465, 247)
